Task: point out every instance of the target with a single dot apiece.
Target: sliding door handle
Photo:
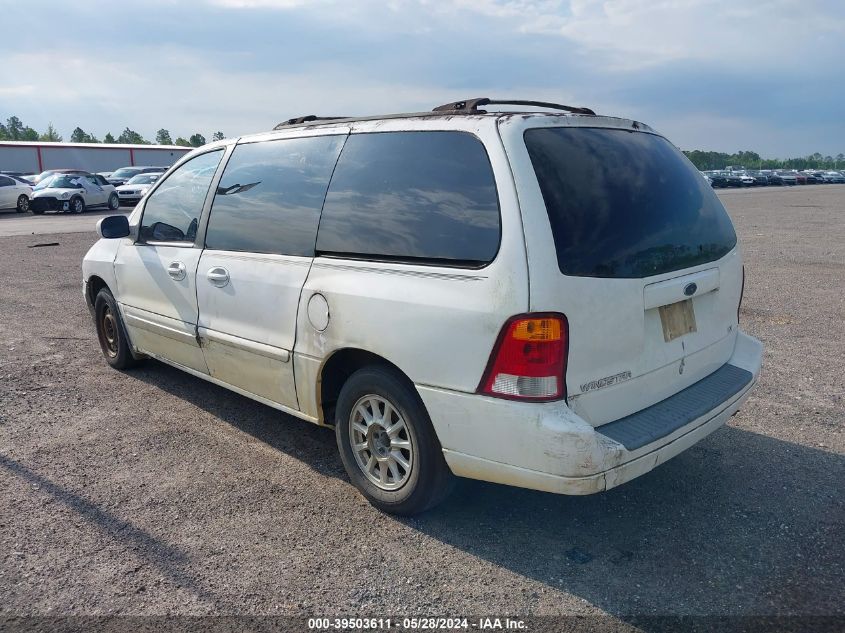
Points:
(218, 276)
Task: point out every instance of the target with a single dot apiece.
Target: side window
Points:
(270, 195)
(172, 213)
(6, 182)
(413, 196)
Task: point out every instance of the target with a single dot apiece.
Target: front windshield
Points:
(44, 182)
(61, 182)
(125, 172)
(143, 179)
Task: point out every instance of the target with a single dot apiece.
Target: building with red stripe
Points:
(35, 157)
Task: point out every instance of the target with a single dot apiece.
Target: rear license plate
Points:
(677, 319)
(65, 206)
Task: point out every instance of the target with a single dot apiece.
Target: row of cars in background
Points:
(75, 190)
(770, 177)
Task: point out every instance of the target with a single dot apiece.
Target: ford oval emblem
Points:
(689, 289)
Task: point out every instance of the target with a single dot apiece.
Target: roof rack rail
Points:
(307, 119)
(470, 106)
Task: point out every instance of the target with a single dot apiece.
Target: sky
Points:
(723, 75)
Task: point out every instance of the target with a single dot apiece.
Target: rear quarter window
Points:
(625, 204)
(426, 197)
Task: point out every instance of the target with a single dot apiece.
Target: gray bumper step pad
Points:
(665, 417)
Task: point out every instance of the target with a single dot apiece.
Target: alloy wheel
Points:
(381, 442)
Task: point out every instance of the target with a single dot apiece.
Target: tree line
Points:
(752, 160)
(15, 130)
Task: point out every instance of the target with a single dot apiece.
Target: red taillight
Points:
(741, 292)
(529, 359)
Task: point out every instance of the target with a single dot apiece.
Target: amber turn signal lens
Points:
(537, 330)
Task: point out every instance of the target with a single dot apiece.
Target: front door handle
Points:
(177, 271)
(218, 276)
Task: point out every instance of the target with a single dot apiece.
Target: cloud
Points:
(704, 71)
(262, 4)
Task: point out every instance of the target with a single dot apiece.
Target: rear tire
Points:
(111, 332)
(23, 204)
(114, 202)
(388, 445)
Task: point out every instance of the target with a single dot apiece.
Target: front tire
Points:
(23, 204)
(77, 205)
(114, 202)
(111, 332)
(387, 443)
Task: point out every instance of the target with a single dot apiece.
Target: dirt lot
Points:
(153, 492)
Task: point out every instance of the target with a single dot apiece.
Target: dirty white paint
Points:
(269, 330)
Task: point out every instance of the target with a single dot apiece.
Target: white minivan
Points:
(546, 299)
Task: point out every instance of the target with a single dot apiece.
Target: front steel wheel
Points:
(381, 442)
(111, 333)
(108, 333)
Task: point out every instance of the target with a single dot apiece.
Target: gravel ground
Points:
(153, 492)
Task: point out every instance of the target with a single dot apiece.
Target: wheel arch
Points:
(336, 370)
(92, 289)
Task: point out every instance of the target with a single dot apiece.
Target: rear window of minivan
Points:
(418, 197)
(625, 204)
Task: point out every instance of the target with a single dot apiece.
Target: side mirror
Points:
(113, 227)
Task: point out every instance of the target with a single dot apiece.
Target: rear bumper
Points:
(547, 447)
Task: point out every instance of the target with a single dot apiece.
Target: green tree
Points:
(130, 137)
(81, 136)
(51, 135)
(29, 134)
(196, 140)
(108, 138)
(14, 128)
(4, 133)
(163, 137)
(217, 136)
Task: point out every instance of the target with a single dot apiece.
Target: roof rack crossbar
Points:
(307, 119)
(470, 106)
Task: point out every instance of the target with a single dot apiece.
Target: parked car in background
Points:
(122, 175)
(760, 179)
(23, 181)
(137, 187)
(833, 177)
(814, 177)
(14, 194)
(787, 178)
(105, 174)
(351, 273)
(800, 177)
(73, 193)
(745, 180)
(51, 172)
(718, 180)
